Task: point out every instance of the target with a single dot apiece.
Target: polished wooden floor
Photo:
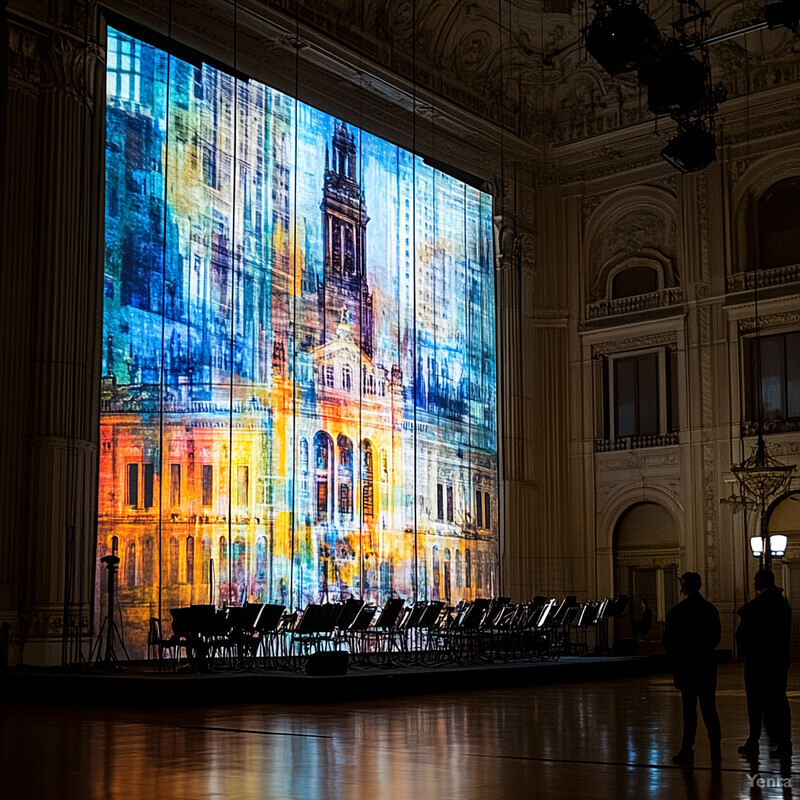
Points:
(603, 739)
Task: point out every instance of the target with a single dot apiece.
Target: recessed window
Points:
(190, 559)
(779, 224)
(634, 280)
(147, 480)
(132, 485)
(242, 485)
(638, 395)
(208, 484)
(174, 559)
(174, 485)
(367, 477)
(780, 378)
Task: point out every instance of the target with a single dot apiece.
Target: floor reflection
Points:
(607, 739)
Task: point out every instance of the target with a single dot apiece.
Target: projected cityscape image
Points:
(298, 399)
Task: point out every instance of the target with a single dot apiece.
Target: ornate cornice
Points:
(23, 58)
(68, 67)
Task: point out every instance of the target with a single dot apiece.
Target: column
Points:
(56, 302)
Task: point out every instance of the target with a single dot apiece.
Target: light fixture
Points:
(677, 83)
(761, 476)
(692, 148)
(784, 14)
(777, 545)
(622, 37)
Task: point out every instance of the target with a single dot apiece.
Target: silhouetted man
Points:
(691, 632)
(763, 638)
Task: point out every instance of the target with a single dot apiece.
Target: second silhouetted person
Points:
(691, 632)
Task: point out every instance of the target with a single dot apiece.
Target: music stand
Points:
(109, 632)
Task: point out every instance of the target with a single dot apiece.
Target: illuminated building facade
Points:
(298, 399)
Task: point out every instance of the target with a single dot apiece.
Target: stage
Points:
(139, 684)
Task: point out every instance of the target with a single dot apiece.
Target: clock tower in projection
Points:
(345, 295)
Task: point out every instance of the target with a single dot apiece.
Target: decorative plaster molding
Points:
(790, 448)
(706, 377)
(710, 506)
(748, 325)
(637, 462)
(23, 58)
(634, 343)
(702, 223)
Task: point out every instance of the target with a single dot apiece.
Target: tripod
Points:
(104, 653)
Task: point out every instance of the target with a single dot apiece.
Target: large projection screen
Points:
(298, 401)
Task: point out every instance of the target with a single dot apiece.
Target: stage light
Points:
(622, 38)
(694, 148)
(785, 14)
(676, 83)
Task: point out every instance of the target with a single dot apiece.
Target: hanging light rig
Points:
(622, 37)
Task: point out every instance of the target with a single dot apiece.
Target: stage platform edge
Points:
(139, 685)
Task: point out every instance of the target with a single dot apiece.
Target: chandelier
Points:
(761, 476)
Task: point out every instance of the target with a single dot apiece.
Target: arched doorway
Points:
(784, 517)
(646, 560)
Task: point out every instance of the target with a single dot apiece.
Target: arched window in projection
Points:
(345, 476)
(130, 564)
(190, 559)
(206, 556)
(298, 351)
(435, 578)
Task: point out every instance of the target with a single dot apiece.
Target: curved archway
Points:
(779, 224)
(783, 516)
(646, 555)
(753, 184)
(639, 224)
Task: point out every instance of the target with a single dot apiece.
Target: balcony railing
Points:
(743, 281)
(636, 442)
(639, 302)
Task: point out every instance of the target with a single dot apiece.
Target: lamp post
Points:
(761, 477)
(764, 554)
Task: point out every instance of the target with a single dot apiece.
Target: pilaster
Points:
(51, 313)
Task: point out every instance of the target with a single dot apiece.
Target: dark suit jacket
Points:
(691, 632)
(763, 634)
